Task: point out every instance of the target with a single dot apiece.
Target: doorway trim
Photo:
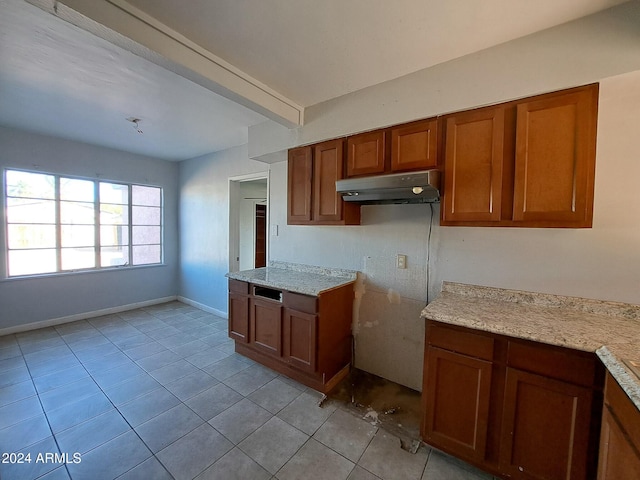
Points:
(234, 215)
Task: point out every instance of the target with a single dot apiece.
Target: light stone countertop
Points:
(298, 278)
(610, 329)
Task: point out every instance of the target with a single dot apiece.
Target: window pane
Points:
(114, 256)
(79, 190)
(114, 214)
(146, 215)
(111, 235)
(77, 213)
(77, 258)
(114, 193)
(33, 185)
(22, 210)
(146, 254)
(146, 235)
(31, 236)
(31, 262)
(78, 235)
(146, 196)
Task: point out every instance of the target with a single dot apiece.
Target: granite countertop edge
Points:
(297, 278)
(501, 311)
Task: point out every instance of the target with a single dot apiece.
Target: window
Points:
(59, 224)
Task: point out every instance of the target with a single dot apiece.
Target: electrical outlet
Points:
(401, 261)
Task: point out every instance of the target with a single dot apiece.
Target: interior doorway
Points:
(248, 221)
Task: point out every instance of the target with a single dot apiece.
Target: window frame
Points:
(97, 225)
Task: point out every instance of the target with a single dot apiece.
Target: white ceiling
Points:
(60, 80)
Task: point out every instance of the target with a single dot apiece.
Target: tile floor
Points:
(158, 393)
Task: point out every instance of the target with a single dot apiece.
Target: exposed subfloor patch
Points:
(394, 407)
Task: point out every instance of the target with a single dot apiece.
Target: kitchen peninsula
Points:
(295, 319)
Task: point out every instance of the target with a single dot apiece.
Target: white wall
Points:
(575, 53)
(65, 296)
(204, 224)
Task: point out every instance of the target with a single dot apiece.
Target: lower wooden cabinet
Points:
(304, 337)
(266, 326)
(514, 408)
(458, 400)
(620, 438)
(546, 425)
(299, 334)
(239, 311)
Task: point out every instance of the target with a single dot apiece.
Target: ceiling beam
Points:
(130, 28)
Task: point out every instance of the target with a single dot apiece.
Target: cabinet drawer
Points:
(300, 302)
(238, 286)
(555, 362)
(464, 342)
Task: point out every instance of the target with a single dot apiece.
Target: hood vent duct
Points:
(409, 187)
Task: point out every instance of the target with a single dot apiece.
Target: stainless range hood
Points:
(410, 187)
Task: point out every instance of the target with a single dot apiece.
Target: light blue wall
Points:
(26, 301)
(204, 224)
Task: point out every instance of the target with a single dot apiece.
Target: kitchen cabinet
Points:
(526, 163)
(458, 402)
(620, 437)
(239, 311)
(476, 169)
(408, 147)
(300, 171)
(555, 158)
(414, 146)
(266, 325)
(366, 153)
(515, 408)
(307, 338)
(311, 191)
(546, 427)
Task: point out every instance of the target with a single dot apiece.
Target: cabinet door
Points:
(456, 406)
(239, 317)
(266, 326)
(620, 435)
(474, 166)
(299, 337)
(618, 459)
(366, 153)
(300, 169)
(414, 146)
(328, 166)
(555, 159)
(545, 428)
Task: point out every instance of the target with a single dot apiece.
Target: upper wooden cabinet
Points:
(366, 153)
(415, 146)
(528, 163)
(475, 168)
(300, 171)
(311, 193)
(555, 158)
(404, 148)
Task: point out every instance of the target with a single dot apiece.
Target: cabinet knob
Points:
(521, 469)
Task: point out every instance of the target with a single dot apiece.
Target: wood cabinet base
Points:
(317, 382)
(515, 408)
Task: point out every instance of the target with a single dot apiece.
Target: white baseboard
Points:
(204, 307)
(83, 316)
